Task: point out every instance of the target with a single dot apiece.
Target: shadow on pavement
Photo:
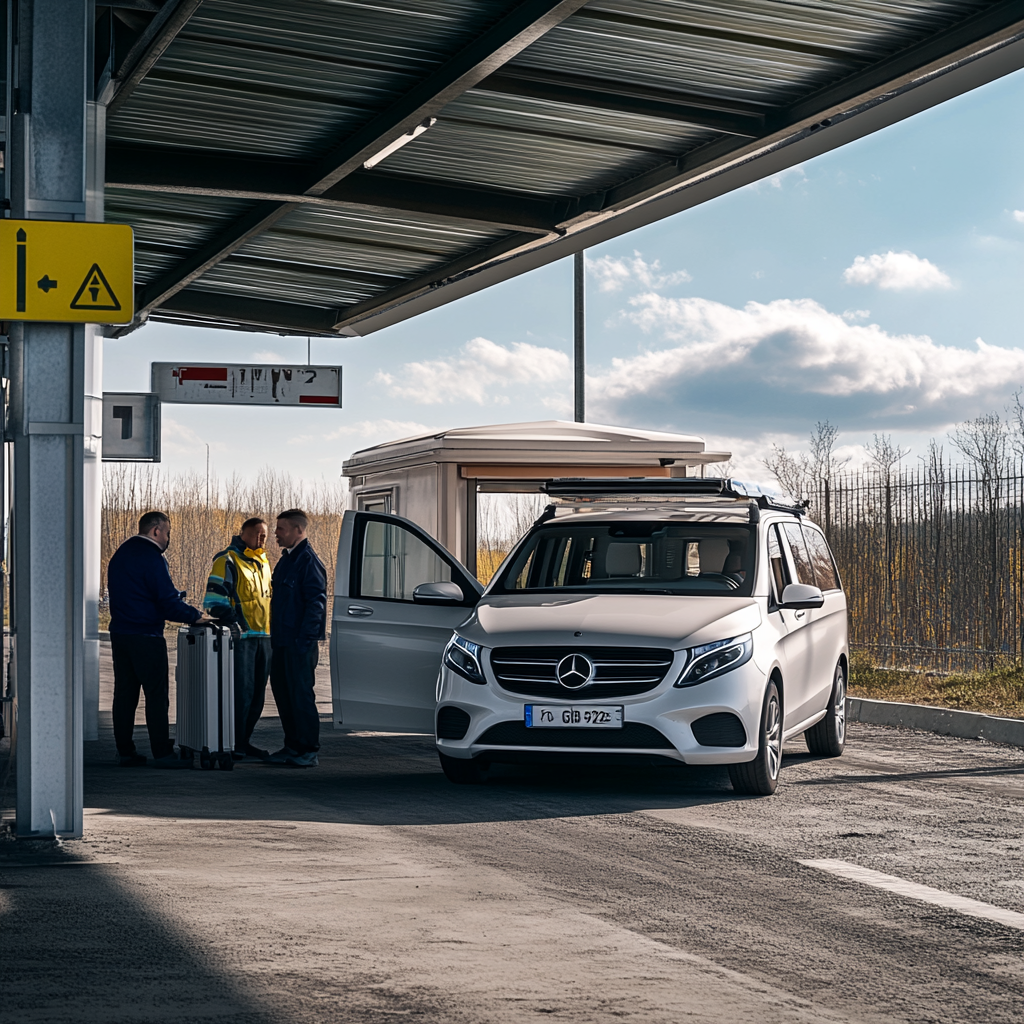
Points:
(391, 780)
(79, 944)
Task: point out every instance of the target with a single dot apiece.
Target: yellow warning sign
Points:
(66, 271)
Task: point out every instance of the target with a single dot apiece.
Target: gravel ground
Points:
(371, 888)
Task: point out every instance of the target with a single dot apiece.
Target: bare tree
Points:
(885, 454)
(1015, 425)
(825, 465)
(793, 470)
(984, 441)
(823, 451)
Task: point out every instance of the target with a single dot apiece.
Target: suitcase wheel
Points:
(205, 759)
(227, 762)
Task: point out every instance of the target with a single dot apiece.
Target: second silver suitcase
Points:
(205, 677)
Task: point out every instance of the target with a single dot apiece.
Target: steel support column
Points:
(579, 345)
(49, 365)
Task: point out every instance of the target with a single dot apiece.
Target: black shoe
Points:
(237, 755)
(131, 760)
(256, 752)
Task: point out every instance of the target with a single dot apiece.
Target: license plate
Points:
(558, 716)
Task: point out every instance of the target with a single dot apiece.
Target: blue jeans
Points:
(292, 675)
(252, 667)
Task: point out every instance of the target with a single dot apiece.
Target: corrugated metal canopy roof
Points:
(238, 131)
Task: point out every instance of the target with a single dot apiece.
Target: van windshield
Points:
(703, 559)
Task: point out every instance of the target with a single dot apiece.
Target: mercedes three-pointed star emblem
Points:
(574, 671)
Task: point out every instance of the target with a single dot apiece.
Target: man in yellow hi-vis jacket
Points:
(238, 595)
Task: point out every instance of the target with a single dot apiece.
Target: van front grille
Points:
(618, 671)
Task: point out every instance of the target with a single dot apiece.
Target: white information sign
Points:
(235, 384)
(131, 427)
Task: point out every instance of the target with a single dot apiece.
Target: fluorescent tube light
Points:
(401, 141)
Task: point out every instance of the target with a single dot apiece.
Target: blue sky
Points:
(745, 320)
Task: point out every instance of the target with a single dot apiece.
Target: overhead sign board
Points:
(66, 271)
(237, 384)
(131, 427)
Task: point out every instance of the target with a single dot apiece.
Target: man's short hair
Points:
(297, 516)
(250, 523)
(151, 519)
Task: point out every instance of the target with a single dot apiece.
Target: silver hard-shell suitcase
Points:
(205, 677)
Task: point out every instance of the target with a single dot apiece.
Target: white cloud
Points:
(896, 271)
(787, 363)
(479, 368)
(1018, 216)
(613, 274)
(267, 356)
(777, 180)
(853, 315)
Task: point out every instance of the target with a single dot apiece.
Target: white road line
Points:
(925, 893)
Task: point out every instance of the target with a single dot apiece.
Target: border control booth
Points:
(434, 479)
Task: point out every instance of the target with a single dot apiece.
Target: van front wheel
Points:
(760, 777)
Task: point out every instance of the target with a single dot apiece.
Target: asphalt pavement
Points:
(371, 889)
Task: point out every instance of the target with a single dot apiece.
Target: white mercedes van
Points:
(638, 621)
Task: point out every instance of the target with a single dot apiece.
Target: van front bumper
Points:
(668, 710)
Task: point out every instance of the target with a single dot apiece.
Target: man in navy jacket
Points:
(142, 596)
(298, 622)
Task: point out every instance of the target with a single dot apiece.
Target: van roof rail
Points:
(571, 487)
(680, 487)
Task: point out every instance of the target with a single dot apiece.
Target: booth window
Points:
(394, 562)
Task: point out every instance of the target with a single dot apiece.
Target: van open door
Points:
(387, 639)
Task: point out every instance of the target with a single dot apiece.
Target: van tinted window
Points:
(821, 557)
(801, 559)
(780, 575)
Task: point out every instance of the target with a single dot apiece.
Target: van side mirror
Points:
(801, 595)
(442, 592)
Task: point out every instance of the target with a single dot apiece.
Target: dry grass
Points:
(997, 692)
(200, 528)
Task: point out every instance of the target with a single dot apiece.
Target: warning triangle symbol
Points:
(95, 292)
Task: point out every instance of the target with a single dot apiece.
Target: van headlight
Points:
(710, 660)
(463, 656)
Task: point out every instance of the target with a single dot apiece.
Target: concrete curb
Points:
(968, 725)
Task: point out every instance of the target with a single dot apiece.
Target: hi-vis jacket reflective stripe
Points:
(238, 589)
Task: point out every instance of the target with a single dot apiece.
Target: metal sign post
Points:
(54, 367)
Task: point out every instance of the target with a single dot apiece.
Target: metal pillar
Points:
(92, 420)
(579, 326)
(49, 366)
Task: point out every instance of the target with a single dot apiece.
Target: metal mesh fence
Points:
(932, 563)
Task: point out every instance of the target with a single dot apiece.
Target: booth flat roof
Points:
(552, 442)
(238, 131)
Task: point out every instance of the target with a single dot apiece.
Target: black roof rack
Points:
(713, 487)
(569, 487)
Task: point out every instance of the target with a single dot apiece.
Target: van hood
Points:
(617, 620)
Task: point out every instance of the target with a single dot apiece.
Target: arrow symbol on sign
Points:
(46, 283)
